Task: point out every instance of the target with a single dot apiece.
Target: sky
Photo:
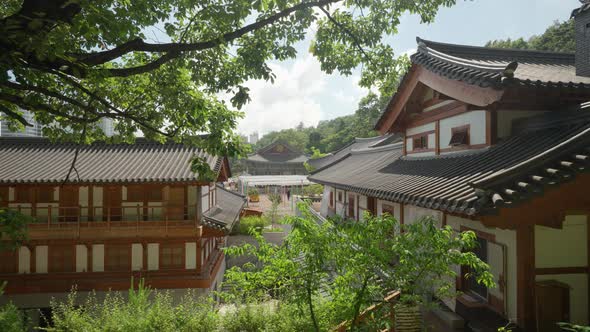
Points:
(303, 93)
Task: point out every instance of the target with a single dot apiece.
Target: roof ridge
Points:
(487, 51)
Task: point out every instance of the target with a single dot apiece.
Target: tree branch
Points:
(355, 40)
(138, 45)
(15, 116)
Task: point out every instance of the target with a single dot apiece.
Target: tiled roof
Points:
(227, 210)
(583, 8)
(37, 160)
(278, 158)
(543, 153)
(497, 67)
(358, 143)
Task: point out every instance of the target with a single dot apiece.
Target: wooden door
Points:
(112, 198)
(175, 205)
(351, 206)
(69, 204)
(552, 305)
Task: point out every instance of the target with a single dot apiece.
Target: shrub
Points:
(275, 198)
(252, 191)
(142, 310)
(11, 319)
(314, 189)
(247, 223)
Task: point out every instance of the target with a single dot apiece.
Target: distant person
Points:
(288, 194)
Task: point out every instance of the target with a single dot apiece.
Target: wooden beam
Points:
(467, 93)
(525, 289)
(437, 137)
(396, 105)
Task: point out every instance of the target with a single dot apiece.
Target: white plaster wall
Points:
(205, 198)
(97, 201)
(11, 194)
(340, 205)
(81, 258)
(477, 130)
(432, 141)
(136, 257)
(396, 208)
(153, 256)
(409, 144)
(564, 247)
(124, 193)
(507, 238)
(83, 202)
(24, 260)
(155, 210)
(325, 201)
(190, 256)
(578, 294)
(413, 213)
(97, 257)
(41, 253)
(505, 118)
(25, 208)
(420, 129)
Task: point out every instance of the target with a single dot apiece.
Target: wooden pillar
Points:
(437, 138)
(199, 254)
(525, 272)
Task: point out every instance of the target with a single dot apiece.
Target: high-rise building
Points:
(105, 124)
(253, 138)
(28, 131)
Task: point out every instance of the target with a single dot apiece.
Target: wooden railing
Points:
(385, 311)
(72, 214)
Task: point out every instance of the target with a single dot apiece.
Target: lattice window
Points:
(460, 136)
(172, 256)
(118, 257)
(61, 258)
(420, 142)
(45, 195)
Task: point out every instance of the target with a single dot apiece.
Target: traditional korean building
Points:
(278, 158)
(128, 211)
(496, 141)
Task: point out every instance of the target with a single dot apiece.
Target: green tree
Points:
(73, 62)
(356, 264)
(559, 37)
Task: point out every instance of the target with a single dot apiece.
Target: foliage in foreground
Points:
(354, 265)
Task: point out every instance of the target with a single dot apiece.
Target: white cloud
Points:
(293, 98)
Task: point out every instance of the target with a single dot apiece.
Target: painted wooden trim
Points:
(395, 107)
(562, 270)
(443, 112)
(424, 133)
(464, 147)
(481, 234)
(420, 151)
(437, 137)
(458, 90)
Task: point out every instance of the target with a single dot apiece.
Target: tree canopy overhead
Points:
(73, 62)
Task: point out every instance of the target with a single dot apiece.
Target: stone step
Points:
(449, 318)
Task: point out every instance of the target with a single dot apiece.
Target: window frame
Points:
(108, 257)
(164, 264)
(423, 139)
(55, 255)
(466, 129)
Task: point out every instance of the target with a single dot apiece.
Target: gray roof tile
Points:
(37, 160)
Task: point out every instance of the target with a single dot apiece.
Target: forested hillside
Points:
(332, 134)
(559, 37)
